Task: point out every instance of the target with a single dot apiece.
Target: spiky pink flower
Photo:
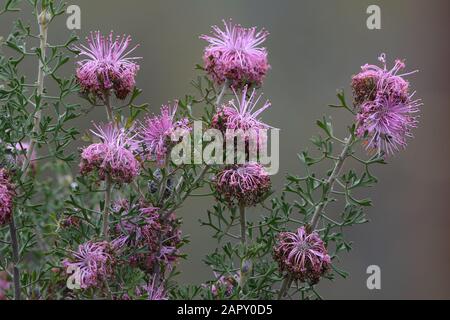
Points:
(386, 123)
(303, 255)
(150, 238)
(386, 109)
(245, 184)
(131, 225)
(235, 55)
(90, 264)
(107, 65)
(157, 133)
(239, 121)
(4, 285)
(6, 197)
(153, 291)
(224, 286)
(113, 156)
(374, 80)
(241, 115)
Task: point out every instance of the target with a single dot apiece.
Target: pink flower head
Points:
(234, 55)
(225, 285)
(374, 80)
(132, 226)
(243, 184)
(153, 291)
(243, 115)
(150, 239)
(91, 264)
(386, 123)
(113, 156)
(157, 132)
(6, 197)
(386, 109)
(302, 254)
(239, 120)
(107, 65)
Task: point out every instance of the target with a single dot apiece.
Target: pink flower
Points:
(243, 115)
(373, 80)
(224, 286)
(153, 291)
(303, 255)
(386, 123)
(132, 226)
(244, 184)
(386, 109)
(240, 121)
(6, 197)
(150, 239)
(91, 264)
(234, 55)
(113, 156)
(157, 131)
(107, 65)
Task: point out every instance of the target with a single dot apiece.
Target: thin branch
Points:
(107, 208)
(43, 33)
(330, 182)
(15, 250)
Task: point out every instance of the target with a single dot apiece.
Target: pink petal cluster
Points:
(386, 108)
(234, 54)
(245, 184)
(113, 156)
(107, 65)
(243, 115)
(303, 255)
(6, 197)
(225, 285)
(150, 239)
(240, 121)
(91, 263)
(153, 291)
(157, 131)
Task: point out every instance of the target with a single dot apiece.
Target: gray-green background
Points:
(315, 47)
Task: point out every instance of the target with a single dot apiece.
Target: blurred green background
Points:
(315, 47)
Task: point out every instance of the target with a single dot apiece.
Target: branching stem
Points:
(43, 21)
(330, 182)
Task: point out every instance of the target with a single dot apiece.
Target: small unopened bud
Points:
(247, 267)
(56, 270)
(44, 18)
